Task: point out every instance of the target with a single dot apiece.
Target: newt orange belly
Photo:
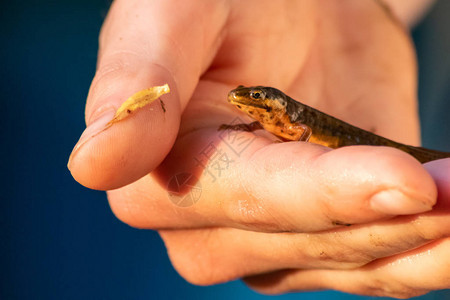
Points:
(291, 120)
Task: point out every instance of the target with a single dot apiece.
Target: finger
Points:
(143, 44)
(243, 181)
(223, 249)
(440, 171)
(406, 275)
(267, 43)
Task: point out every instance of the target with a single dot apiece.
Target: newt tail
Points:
(291, 120)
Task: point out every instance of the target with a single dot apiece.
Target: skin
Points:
(275, 214)
(409, 12)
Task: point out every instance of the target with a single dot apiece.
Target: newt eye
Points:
(255, 95)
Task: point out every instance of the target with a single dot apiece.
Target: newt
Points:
(291, 120)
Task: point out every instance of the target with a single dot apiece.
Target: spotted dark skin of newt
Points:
(291, 120)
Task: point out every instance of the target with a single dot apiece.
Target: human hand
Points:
(345, 58)
(404, 275)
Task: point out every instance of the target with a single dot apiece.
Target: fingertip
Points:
(397, 184)
(440, 171)
(125, 151)
(110, 156)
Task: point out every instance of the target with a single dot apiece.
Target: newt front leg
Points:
(287, 132)
(297, 132)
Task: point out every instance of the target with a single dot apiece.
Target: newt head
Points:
(264, 104)
(275, 111)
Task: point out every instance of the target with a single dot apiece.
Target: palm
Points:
(345, 72)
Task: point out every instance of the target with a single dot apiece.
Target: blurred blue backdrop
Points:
(60, 240)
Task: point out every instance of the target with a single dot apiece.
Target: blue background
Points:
(60, 240)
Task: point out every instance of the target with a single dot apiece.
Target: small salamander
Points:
(291, 120)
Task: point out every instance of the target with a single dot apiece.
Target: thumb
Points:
(143, 44)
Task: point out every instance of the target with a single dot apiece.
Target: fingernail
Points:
(92, 130)
(394, 202)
